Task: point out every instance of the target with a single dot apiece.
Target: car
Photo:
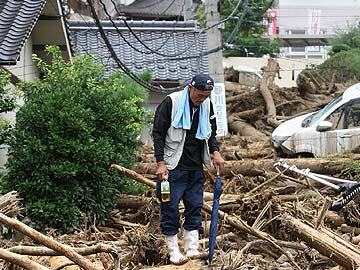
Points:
(332, 130)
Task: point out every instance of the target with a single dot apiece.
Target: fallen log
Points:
(237, 153)
(328, 166)
(232, 87)
(242, 96)
(243, 128)
(20, 260)
(317, 165)
(267, 82)
(327, 245)
(134, 175)
(125, 201)
(250, 115)
(138, 177)
(44, 251)
(47, 241)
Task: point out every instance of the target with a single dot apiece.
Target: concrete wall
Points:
(289, 68)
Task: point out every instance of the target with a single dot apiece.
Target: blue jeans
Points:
(188, 186)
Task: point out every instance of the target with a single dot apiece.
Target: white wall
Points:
(25, 70)
(287, 67)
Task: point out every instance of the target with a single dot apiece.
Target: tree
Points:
(343, 65)
(244, 32)
(346, 39)
(74, 124)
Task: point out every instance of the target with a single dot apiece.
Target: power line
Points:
(187, 48)
(119, 63)
(172, 57)
(132, 32)
(240, 21)
(138, 39)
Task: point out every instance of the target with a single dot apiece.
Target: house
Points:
(148, 35)
(173, 51)
(26, 26)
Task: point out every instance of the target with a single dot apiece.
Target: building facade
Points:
(305, 26)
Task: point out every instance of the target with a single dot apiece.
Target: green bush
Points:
(339, 48)
(349, 37)
(73, 126)
(344, 65)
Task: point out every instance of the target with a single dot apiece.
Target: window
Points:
(353, 120)
(337, 118)
(297, 49)
(296, 32)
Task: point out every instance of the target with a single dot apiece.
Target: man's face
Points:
(198, 96)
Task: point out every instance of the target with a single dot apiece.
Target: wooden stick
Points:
(43, 251)
(20, 260)
(134, 175)
(266, 182)
(323, 210)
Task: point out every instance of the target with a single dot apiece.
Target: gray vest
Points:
(175, 137)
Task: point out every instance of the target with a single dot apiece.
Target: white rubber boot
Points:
(173, 247)
(191, 244)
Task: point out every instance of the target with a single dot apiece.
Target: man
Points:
(184, 133)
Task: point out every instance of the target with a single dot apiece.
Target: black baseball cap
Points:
(202, 82)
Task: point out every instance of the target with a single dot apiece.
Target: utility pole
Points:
(216, 69)
(188, 10)
(214, 38)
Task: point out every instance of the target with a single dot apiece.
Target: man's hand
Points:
(161, 170)
(218, 162)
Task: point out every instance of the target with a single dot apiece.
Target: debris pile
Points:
(270, 217)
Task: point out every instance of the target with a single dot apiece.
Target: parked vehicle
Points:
(333, 129)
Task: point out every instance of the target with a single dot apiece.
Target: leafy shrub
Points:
(73, 126)
(344, 65)
(349, 37)
(339, 48)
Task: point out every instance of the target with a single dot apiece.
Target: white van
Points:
(331, 130)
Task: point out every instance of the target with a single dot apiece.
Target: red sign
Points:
(270, 22)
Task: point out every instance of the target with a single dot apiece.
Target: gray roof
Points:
(181, 42)
(17, 19)
(161, 8)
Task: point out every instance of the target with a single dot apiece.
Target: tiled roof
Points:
(180, 41)
(17, 18)
(162, 8)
